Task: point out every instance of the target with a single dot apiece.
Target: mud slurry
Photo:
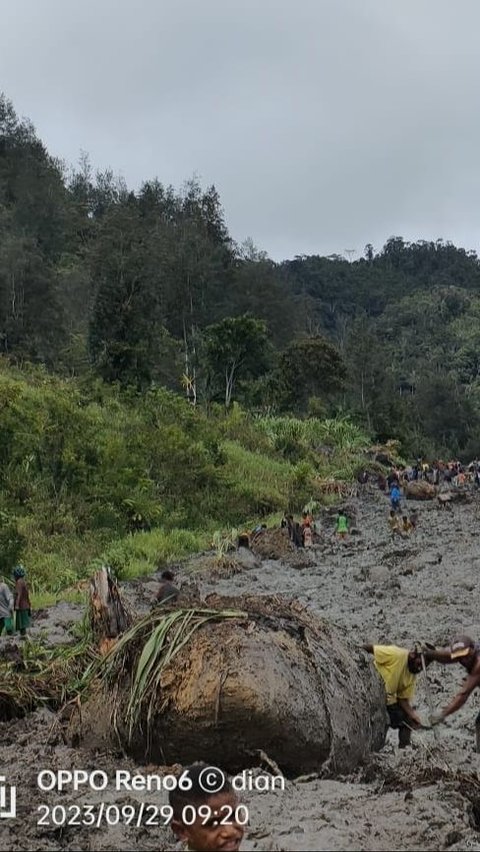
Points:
(425, 798)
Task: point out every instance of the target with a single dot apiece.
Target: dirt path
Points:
(423, 588)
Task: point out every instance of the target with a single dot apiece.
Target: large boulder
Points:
(420, 490)
(274, 679)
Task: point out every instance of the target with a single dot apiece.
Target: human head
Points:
(215, 827)
(167, 575)
(392, 513)
(415, 661)
(462, 650)
(18, 571)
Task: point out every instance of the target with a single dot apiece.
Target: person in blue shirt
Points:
(395, 497)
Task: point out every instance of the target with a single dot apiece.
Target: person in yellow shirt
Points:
(398, 668)
(394, 523)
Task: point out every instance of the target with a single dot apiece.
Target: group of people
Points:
(437, 472)
(15, 607)
(306, 532)
(402, 525)
(399, 667)
(301, 533)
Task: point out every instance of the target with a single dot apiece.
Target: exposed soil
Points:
(277, 679)
(425, 798)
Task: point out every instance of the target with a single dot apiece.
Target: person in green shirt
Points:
(341, 527)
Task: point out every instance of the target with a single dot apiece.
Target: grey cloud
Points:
(325, 124)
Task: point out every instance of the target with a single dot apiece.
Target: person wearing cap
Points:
(465, 651)
(398, 668)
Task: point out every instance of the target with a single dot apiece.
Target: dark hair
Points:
(197, 795)
(167, 575)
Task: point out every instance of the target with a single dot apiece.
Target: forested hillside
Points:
(146, 289)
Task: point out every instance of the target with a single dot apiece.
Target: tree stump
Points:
(108, 616)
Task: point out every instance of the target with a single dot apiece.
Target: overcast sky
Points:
(324, 124)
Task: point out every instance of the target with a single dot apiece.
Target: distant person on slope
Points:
(398, 668)
(22, 601)
(6, 609)
(395, 497)
(290, 527)
(394, 523)
(414, 519)
(392, 477)
(167, 592)
(341, 527)
(307, 531)
(307, 536)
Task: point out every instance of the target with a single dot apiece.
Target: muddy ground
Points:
(425, 798)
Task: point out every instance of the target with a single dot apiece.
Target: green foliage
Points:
(256, 484)
(12, 543)
(137, 555)
(310, 366)
(145, 287)
(90, 473)
(302, 487)
(293, 437)
(223, 541)
(41, 600)
(122, 293)
(235, 348)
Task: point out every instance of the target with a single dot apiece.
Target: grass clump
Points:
(140, 554)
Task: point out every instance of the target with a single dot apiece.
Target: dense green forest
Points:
(149, 363)
(148, 289)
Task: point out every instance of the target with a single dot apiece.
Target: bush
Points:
(89, 472)
(146, 552)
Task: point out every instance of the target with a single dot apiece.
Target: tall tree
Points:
(235, 348)
(126, 325)
(309, 367)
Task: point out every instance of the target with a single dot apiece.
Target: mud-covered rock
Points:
(420, 490)
(278, 680)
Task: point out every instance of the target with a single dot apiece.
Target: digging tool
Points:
(429, 694)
